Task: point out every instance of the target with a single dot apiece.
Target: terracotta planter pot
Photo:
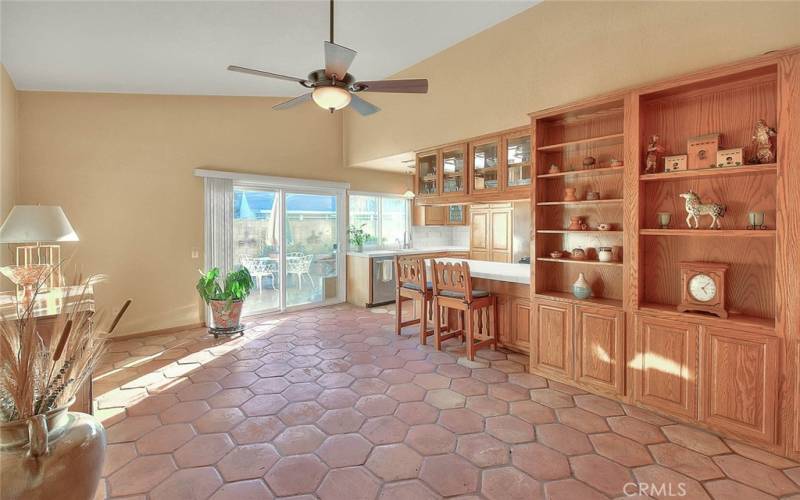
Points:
(56, 455)
(225, 315)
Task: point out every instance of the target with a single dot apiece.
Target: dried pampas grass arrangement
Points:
(38, 375)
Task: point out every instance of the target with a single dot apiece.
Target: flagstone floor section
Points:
(331, 404)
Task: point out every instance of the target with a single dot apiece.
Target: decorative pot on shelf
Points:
(581, 288)
(604, 254)
(576, 223)
(58, 454)
(578, 254)
(569, 194)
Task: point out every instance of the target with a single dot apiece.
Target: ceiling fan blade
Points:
(338, 60)
(257, 72)
(416, 86)
(292, 102)
(362, 106)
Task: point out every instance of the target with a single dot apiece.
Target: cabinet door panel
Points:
(434, 216)
(666, 365)
(504, 311)
(552, 349)
(501, 235)
(599, 348)
(479, 232)
(521, 324)
(740, 382)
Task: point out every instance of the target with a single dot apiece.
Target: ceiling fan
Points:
(333, 87)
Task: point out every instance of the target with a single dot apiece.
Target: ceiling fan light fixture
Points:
(331, 97)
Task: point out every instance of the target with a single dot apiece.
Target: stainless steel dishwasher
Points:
(383, 290)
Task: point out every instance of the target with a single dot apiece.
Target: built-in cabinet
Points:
(495, 167)
(513, 315)
(738, 375)
(491, 232)
(666, 365)
(582, 344)
(451, 215)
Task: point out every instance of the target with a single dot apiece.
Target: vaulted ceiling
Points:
(184, 47)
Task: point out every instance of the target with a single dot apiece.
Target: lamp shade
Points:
(36, 224)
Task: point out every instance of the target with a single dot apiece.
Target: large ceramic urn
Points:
(56, 455)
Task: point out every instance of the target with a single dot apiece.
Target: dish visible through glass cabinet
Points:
(484, 162)
(453, 171)
(518, 160)
(428, 175)
(456, 214)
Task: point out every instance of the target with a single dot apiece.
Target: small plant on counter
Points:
(358, 236)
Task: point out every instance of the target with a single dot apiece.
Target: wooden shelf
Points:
(721, 233)
(768, 168)
(588, 171)
(594, 141)
(567, 231)
(581, 202)
(741, 320)
(569, 298)
(584, 262)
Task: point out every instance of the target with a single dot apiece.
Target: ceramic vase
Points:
(56, 455)
(569, 194)
(604, 254)
(581, 288)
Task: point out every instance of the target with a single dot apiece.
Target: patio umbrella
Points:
(245, 212)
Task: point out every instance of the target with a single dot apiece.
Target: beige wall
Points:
(121, 166)
(557, 52)
(8, 159)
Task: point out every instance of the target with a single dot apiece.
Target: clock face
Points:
(702, 288)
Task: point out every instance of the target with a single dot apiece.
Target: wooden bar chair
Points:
(452, 289)
(412, 285)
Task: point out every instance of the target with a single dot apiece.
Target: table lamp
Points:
(35, 224)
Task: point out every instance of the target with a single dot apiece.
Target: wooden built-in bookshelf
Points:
(739, 376)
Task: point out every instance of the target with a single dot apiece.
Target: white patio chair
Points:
(259, 268)
(300, 265)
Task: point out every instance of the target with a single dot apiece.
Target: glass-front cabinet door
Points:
(518, 159)
(453, 170)
(485, 165)
(428, 174)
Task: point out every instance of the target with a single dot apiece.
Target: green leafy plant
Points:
(357, 235)
(237, 285)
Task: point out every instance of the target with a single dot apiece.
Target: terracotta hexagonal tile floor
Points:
(331, 404)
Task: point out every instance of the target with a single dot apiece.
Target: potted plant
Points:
(225, 301)
(46, 450)
(358, 237)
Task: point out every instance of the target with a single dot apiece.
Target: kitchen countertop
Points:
(498, 271)
(407, 251)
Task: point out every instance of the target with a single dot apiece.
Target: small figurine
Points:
(762, 135)
(695, 207)
(653, 150)
(589, 162)
(553, 169)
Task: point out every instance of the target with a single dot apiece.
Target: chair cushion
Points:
(476, 294)
(414, 286)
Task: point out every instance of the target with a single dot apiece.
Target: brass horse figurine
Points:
(695, 207)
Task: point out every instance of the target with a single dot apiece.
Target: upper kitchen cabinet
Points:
(428, 174)
(485, 165)
(454, 170)
(516, 160)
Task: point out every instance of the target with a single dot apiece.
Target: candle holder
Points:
(756, 220)
(663, 219)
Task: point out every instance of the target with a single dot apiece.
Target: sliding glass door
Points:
(312, 244)
(289, 240)
(257, 245)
